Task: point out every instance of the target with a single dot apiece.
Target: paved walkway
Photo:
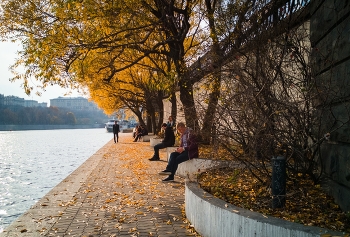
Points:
(116, 192)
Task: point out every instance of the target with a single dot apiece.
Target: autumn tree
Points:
(70, 118)
(85, 44)
(63, 40)
(140, 88)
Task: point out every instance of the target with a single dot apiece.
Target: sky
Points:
(7, 58)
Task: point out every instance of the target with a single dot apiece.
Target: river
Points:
(33, 162)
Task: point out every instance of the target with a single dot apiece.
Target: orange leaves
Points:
(306, 203)
(109, 200)
(68, 203)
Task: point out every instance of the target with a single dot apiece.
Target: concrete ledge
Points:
(127, 130)
(213, 217)
(191, 168)
(147, 138)
(154, 141)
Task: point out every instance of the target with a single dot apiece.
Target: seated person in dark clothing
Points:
(142, 131)
(171, 122)
(169, 140)
(138, 133)
(187, 150)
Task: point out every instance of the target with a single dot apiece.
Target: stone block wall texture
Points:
(330, 41)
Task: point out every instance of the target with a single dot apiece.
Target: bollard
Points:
(278, 185)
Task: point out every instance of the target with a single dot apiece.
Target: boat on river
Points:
(123, 124)
(109, 125)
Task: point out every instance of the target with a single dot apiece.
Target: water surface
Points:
(33, 162)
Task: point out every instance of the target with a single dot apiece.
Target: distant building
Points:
(17, 101)
(2, 98)
(31, 103)
(73, 103)
(34, 103)
(42, 104)
(13, 101)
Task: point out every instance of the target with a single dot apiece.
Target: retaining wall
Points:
(329, 35)
(213, 217)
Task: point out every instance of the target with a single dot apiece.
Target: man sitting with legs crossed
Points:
(187, 150)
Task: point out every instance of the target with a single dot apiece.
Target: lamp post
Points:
(278, 185)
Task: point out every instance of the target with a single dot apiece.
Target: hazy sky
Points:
(7, 58)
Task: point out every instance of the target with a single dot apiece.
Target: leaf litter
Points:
(306, 203)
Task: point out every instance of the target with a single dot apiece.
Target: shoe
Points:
(169, 179)
(165, 172)
(154, 158)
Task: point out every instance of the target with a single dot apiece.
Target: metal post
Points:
(278, 185)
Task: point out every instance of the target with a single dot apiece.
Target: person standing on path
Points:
(169, 140)
(116, 131)
(187, 150)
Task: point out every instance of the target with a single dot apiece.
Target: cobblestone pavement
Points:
(116, 192)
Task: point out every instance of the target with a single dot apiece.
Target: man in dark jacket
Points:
(116, 131)
(169, 140)
(187, 150)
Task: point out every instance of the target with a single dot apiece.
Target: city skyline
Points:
(8, 55)
(58, 97)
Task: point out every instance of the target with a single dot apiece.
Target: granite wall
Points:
(330, 40)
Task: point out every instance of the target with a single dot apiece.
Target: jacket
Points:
(169, 137)
(192, 145)
(116, 128)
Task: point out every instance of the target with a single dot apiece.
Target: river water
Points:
(33, 162)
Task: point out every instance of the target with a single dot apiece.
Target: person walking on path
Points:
(169, 140)
(187, 150)
(116, 131)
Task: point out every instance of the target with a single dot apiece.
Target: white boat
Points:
(122, 125)
(109, 125)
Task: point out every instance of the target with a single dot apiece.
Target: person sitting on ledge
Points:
(143, 132)
(169, 140)
(187, 150)
(171, 122)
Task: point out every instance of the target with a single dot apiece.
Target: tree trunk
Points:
(160, 111)
(208, 121)
(173, 106)
(149, 123)
(153, 123)
(186, 97)
(150, 120)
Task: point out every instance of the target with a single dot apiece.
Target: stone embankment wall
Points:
(211, 216)
(330, 40)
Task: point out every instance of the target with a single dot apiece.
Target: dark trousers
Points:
(116, 135)
(157, 147)
(175, 159)
(138, 137)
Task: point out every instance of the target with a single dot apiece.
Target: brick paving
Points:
(116, 192)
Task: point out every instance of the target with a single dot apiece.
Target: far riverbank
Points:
(48, 127)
